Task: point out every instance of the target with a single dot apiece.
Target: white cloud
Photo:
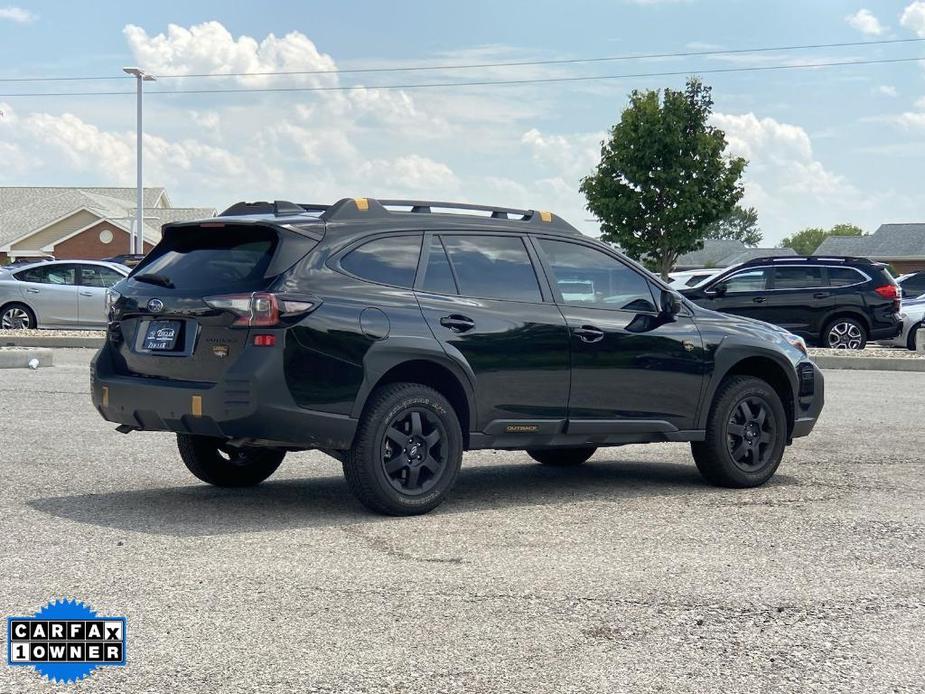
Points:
(887, 90)
(866, 22)
(17, 14)
(913, 17)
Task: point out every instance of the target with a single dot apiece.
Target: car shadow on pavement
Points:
(200, 510)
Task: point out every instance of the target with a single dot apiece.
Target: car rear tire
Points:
(910, 340)
(561, 457)
(213, 461)
(17, 316)
(844, 333)
(746, 434)
(407, 451)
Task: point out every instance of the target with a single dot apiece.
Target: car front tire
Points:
(561, 457)
(215, 462)
(746, 434)
(407, 451)
(911, 339)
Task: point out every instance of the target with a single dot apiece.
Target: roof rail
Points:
(361, 209)
(278, 208)
(808, 258)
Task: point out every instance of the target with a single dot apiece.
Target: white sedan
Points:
(66, 294)
(912, 314)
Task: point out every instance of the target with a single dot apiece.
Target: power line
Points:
(484, 83)
(469, 66)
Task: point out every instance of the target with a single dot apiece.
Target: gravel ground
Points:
(625, 575)
(52, 333)
(870, 351)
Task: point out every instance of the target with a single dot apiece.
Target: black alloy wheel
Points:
(750, 433)
(414, 451)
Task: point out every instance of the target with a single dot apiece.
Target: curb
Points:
(52, 341)
(871, 363)
(19, 357)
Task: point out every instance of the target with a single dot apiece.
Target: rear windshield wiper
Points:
(151, 278)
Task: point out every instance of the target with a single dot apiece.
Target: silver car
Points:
(66, 294)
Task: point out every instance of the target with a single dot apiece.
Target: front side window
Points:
(388, 260)
(747, 281)
(493, 267)
(62, 275)
(588, 277)
(98, 276)
(798, 277)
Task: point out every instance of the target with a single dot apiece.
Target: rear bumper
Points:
(808, 407)
(251, 402)
(887, 333)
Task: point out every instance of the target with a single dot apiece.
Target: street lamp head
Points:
(137, 72)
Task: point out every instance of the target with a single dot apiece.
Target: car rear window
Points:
(233, 259)
(798, 277)
(844, 276)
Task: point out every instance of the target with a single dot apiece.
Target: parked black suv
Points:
(394, 335)
(834, 302)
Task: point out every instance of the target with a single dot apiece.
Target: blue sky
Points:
(836, 145)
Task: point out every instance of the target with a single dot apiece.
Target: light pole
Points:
(137, 242)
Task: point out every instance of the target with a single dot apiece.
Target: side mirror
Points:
(671, 304)
(717, 289)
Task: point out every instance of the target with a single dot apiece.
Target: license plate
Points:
(162, 335)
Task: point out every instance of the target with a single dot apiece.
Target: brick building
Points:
(81, 223)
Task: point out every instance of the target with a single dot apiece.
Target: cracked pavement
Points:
(626, 574)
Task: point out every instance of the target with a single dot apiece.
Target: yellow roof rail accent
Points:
(196, 406)
(546, 216)
(362, 204)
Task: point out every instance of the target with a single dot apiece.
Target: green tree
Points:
(806, 241)
(739, 225)
(663, 178)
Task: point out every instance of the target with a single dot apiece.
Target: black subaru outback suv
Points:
(836, 302)
(394, 335)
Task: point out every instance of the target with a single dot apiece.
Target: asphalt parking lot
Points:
(627, 574)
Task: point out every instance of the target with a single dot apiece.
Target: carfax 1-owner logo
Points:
(65, 641)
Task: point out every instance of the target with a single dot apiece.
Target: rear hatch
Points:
(168, 320)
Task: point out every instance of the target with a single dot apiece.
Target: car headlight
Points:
(797, 341)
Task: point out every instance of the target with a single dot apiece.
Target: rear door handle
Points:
(821, 295)
(759, 299)
(32, 290)
(86, 293)
(588, 333)
(457, 323)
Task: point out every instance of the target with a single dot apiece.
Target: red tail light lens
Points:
(264, 340)
(262, 309)
(888, 291)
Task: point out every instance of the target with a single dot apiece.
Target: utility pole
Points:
(137, 241)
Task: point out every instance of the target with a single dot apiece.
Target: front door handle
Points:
(457, 323)
(759, 299)
(86, 293)
(821, 295)
(588, 333)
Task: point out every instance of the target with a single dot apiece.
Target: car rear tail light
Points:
(262, 309)
(264, 340)
(888, 291)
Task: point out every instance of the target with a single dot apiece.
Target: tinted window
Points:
(227, 259)
(493, 267)
(798, 277)
(49, 274)
(438, 277)
(390, 260)
(914, 285)
(98, 276)
(747, 281)
(588, 277)
(844, 276)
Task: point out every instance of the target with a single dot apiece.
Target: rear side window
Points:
(493, 267)
(844, 277)
(389, 260)
(61, 275)
(798, 277)
(98, 276)
(228, 259)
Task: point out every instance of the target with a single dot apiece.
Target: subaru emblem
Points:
(155, 306)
